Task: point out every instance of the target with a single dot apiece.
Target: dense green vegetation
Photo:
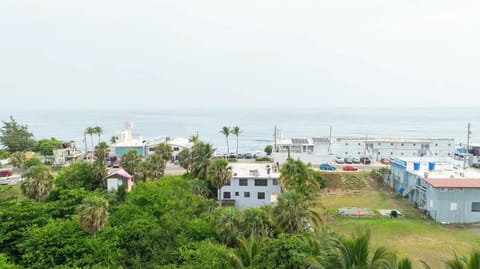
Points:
(68, 220)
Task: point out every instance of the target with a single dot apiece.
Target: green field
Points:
(412, 235)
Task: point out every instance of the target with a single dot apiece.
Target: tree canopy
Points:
(16, 137)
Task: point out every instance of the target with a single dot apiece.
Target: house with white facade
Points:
(65, 153)
(440, 186)
(252, 184)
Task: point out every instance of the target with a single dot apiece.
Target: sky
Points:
(110, 54)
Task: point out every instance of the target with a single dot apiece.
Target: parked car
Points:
(476, 165)
(248, 155)
(355, 159)
(4, 181)
(326, 166)
(240, 156)
(339, 159)
(365, 160)
(6, 172)
(385, 161)
(349, 168)
(348, 160)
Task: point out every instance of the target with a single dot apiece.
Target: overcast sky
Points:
(154, 54)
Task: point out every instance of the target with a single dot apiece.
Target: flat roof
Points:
(454, 183)
(253, 170)
(445, 168)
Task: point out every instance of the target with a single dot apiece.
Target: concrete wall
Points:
(271, 191)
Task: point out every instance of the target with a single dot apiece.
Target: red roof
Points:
(454, 182)
(121, 173)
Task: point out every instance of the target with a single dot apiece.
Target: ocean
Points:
(257, 125)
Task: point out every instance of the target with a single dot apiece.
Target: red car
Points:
(6, 172)
(349, 168)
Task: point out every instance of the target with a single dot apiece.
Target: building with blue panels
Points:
(440, 186)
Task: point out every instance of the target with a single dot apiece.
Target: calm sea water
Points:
(256, 124)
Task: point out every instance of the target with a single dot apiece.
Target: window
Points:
(448, 154)
(275, 181)
(261, 182)
(346, 144)
(391, 153)
(243, 182)
(414, 145)
(475, 206)
(236, 193)
(226, 195)
(449, 145)
(401, 153)
(346, 152)
(246, 194)
(379, 144)
(401, 144)
(453, 206)
(261, 196)
(176, 148)
(436, 145)
(436, 154)
(151, 149)
(358, 153)
(359, 144)
(391, 144)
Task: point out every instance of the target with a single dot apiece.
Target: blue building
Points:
(441, 187)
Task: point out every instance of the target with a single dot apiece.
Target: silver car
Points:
(339, 159)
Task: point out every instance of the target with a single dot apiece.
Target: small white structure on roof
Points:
(252, 184)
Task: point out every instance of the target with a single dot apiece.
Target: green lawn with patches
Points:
(412, 235)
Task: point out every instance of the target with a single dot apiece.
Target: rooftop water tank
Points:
(416, 166)
(431, 166)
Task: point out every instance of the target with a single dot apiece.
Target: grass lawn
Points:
(412, 235)
(7, 191)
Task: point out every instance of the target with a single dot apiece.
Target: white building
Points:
(375, 148)
(252, 184)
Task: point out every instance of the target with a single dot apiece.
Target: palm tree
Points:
(93, 214)
(201, 155)
(164, 150)
(98, 131)
(226, 132)
(101, 151)
(226, 224)
(356, 253)
(131, 162)
(256, 222)
(185, 159)
(90, 131)
(299, 177)
(462, 262)
(157, 165)
(38, 182)
(236, 131)
(249, 248)
(218, 174)
(194, 139)
(113, 139)
(291, 212)
(17, 160)
(199, 187)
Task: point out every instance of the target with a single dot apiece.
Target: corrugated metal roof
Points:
(454, 182)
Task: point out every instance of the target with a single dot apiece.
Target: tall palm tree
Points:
(38, 182)
(98, 131)
(157, 165)
(90, 131)
(236, 131)
(226, 132)
(462, 262)
(218, 174)
(185, 159)
(201, 156)
(93, 214)
(101, 151)
(99, 166)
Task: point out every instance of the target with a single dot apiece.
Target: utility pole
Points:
(468, 145)
(366, 146)
(330, 142)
